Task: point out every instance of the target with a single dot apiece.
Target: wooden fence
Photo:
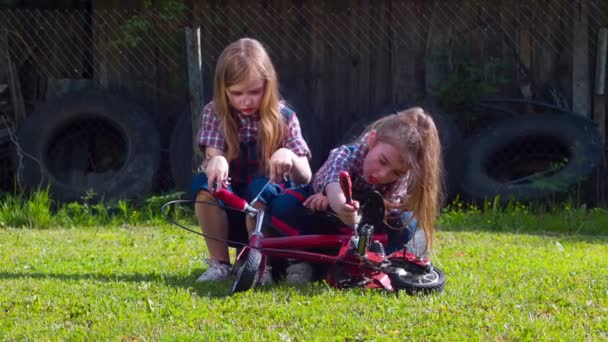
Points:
(339, 61)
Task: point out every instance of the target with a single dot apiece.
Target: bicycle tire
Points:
(432, 280)
(246, 268)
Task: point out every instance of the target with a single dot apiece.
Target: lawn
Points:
(505, 281)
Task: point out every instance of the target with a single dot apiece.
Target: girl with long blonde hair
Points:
(399, 156)
(248, 136)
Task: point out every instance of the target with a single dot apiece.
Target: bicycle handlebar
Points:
(232, 200)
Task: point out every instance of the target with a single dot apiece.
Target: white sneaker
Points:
(299, 274)
(266, 276)
(217, 271)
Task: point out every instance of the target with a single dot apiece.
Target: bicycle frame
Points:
(360, 260)
(357, 261)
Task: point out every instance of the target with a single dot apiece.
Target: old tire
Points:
(89, 141)
(530, 158)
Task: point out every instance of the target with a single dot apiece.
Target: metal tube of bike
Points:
(259, 220)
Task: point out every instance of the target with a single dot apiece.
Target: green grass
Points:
(137, 283)
(100, 272)
(38, 210)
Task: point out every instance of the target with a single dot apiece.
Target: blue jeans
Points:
(237, 230)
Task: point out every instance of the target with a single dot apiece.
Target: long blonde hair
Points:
(414, 134)
(240, 60)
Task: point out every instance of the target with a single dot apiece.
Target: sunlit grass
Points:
(101, 272)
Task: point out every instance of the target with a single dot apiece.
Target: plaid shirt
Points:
(350, 158)
(210, 133)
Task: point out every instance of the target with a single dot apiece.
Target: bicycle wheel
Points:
(246, 268)
(412, 280)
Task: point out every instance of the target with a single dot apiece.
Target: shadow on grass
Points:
(210, 290)
(589, 236)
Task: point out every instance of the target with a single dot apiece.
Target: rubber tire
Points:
(412, 287)
(449, 134)
(132, 180)
(181, 151)
(579, 134)
(246, 270)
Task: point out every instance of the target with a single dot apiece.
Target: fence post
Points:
(195, 85)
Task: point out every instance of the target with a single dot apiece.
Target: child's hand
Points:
(217, 173)
(317, 202)
(348, 213)
(280, 164)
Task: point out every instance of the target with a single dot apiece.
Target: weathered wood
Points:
(545, 56)
(601, 59)
(365, 59)
(4, 74)
(10, 77)
(317, 59)
(435, 48)
(15, 88)
(4, 134)
(380, 68)
(581, 92)
(195, 85)
(525, 56)
(599, 98)
(405, 58)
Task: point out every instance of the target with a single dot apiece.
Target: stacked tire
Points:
(89, 142)
(531, 158)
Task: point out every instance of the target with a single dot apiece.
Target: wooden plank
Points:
(380, 69)
(525, 56)
(365, 28)
(545, 57)
(599, 98)
(435, 42)
(405, 55)
(600, 65)
(317, 63)
(581, 92)
(338, 75)
(11, 77)
(354, 63)
(3, 50)
(195, 85)
(16, 95)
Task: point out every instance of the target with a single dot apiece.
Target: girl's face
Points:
(246, 95)
(383, 163)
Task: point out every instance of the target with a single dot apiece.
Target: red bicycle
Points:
(360, 260)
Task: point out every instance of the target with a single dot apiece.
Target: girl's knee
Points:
(204, 200)
(205, 195)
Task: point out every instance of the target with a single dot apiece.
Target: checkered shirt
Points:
(210, 134)
(350, 158)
